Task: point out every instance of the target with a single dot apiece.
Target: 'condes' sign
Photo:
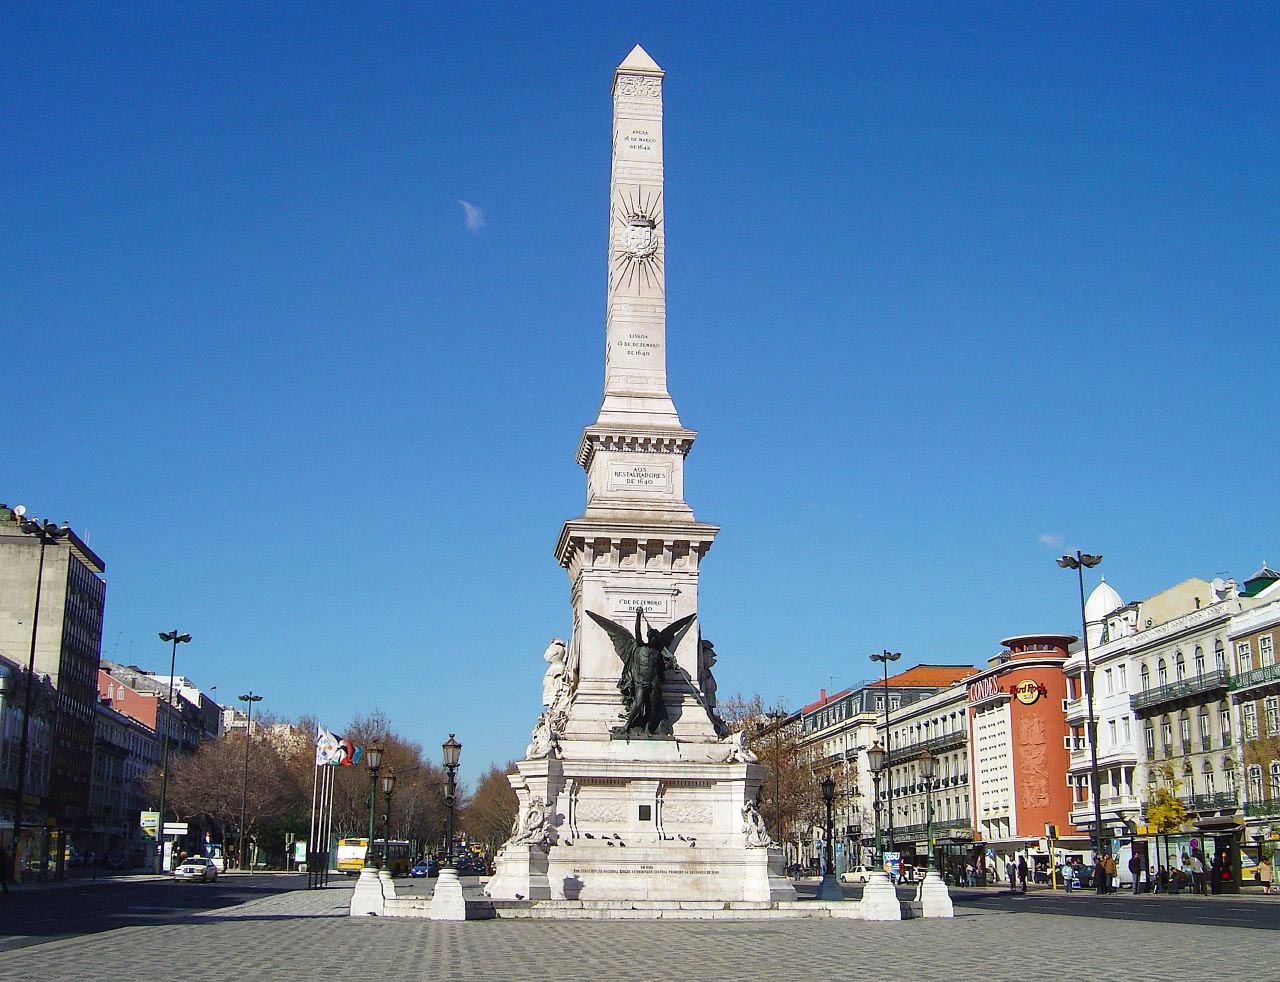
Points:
(984, 689)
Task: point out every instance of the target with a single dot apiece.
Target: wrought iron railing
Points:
(1211, 802)
(921, 829)
(1258, 676)
(1267, 806)
(1182, 689)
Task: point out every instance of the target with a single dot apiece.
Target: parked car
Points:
(856, 874)
(196, 868)
(424, 867)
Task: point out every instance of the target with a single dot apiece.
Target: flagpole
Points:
(315, 782)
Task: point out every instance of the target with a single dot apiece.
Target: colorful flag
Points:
(328, 748)
(350, 753)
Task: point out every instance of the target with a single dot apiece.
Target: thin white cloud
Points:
(1051, 539)
(474, 216)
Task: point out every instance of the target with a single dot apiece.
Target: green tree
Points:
(1165, 811)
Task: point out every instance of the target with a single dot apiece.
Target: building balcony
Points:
(1267, 806)
(1267, 677)
(935, 745)
(1221, 801)
(1185, 691)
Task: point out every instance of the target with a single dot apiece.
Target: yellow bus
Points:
(352, 852)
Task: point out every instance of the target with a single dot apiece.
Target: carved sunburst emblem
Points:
(636, 257)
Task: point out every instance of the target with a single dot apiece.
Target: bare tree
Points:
(489, 813)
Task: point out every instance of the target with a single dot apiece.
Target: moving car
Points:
(196, 868)
(856, 874)
(424, 867)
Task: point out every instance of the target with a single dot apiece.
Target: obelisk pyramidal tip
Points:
(635, 375)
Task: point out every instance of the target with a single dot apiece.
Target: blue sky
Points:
(952, 287)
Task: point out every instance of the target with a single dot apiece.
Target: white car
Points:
(856, 874)
(196, 868)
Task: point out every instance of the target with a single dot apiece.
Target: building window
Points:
(1111, 682)
(1168, 736)
(1162, 672)
(1128, 733)
(1184, 729)
(1224, 722)
(1249, 718)
(1189, 780)
(1151, 740)
(1204, 729)
(1179, 666)
(1255, 782)
(1145, 675)
(1220, 656)
(1266, 651)
(1111, 731)
(1123, 681)
(1244, 657)
(1272, 709)
(1229, 775)
(1199, 660)
(1208, 778)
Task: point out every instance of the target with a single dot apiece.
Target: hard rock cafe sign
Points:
(1029, 690)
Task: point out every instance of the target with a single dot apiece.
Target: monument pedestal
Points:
(520, 873)
(880, 899)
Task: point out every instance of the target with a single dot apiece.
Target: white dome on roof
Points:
(1102, 601)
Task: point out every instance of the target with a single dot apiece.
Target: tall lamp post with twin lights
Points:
(1079, 562)
(447, 903)
(175, 639)
(388, 789)
(373, 760)
(451, 751)
(249, 698)
(926, 764)
(934, 899)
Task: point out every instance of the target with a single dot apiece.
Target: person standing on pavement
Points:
(1264, 874)
(1011, 871)
(1197, 873)
(1099, 874)
(1022, 872)
(1068, 876)
(1109, 865)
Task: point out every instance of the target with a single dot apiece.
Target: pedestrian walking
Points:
(1109, 868)
(1022, 872)
(1011, 871)
(1068, 876)
(1099, 874)
(1264, 874)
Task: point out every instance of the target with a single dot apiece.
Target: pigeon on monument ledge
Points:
(616, 836)
(588, 835)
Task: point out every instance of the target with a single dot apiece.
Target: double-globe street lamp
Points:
(47, 533)
(875, 761)
(249, 698)
(830, 887)
(170, 713)
(884, 658)
(373, 759)
(451, 751)
(1078, 562)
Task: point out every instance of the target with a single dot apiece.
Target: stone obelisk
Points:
(610, 812)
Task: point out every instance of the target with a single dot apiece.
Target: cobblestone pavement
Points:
(307, 936)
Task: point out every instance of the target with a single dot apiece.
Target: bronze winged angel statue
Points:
(645, 660)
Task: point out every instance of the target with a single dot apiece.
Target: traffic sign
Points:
(175, 828)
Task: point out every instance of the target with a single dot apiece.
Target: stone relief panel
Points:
(685, 813)
(600, 812)
(1034, 790)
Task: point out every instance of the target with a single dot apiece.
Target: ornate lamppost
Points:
(452, 752)
(176, 639)
(373, 760)
(884, 658)
(926, 765)
(875, 761)
(1078, 562)
(830, 887)
(388, 789)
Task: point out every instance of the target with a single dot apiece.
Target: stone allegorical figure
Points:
(555, 679)
(707, 681)
(753, 826)
(645, 660)
(533, 824)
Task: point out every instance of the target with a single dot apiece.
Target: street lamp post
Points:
(249, 698)
(1078, 562)
(452, 753)
(875, 761)
(46, 532)
(388, 789)
(926, 764)
(884, 658)
(176, 639)
(830, 888)
(373, 759)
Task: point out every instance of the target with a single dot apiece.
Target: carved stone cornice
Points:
(576, 532)
(633, 439)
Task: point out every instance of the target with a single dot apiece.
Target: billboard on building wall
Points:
(150, 822)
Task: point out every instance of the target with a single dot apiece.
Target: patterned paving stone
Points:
(307, 936)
